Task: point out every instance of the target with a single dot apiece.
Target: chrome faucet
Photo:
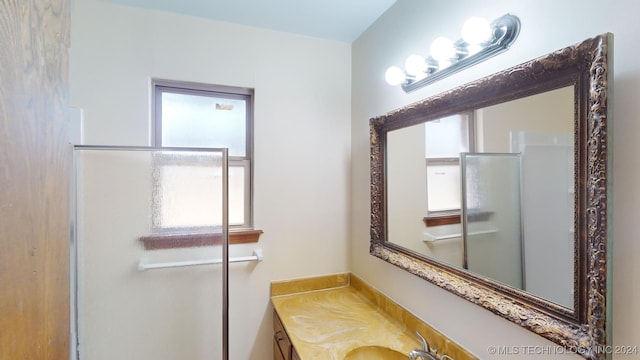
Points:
(420, 354)
(426, 352)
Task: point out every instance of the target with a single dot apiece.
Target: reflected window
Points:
(445, 139)
(202, 116)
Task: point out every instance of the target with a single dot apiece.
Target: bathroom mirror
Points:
(477, 219)
(510, 151)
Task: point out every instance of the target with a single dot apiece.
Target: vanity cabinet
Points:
(282, 348)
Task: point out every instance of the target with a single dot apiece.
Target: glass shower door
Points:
(144, 218)
(491, 220)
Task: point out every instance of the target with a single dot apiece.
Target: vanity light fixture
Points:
(480, 41)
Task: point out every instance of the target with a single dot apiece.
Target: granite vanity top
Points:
(326, 322)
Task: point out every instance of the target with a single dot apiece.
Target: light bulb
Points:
(394, 76)
(442, 49)
(415, 65)
(476, 30)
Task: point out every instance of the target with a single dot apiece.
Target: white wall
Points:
(406, 181)
(547, 25)
(302, 132)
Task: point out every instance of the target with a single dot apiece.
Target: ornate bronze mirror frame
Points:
(585, 68)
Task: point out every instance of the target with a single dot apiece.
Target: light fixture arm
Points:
(505, 31)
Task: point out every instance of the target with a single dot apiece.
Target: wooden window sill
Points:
(157, 242)
(451, 219)
(441, 220)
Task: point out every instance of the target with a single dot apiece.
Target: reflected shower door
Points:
(124, 194)
(491, 221)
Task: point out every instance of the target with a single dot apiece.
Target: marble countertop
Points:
(327, 324)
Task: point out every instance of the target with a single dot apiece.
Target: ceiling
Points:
(340, 20)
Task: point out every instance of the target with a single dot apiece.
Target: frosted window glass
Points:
(443, 187)
(447, 137)
(191, 120)
(189, 194)
(237, 185)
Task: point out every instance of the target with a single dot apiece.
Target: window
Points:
(445, 139)
(197, 115)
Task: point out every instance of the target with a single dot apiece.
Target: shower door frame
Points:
(73, 273)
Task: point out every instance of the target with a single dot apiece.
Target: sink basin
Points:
(375, 353)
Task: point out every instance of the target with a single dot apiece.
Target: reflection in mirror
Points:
(445, 140)
(491, 212)
(519, 215)
(536, 132)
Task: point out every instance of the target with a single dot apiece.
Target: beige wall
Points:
(302, 127)
(549, 112)
(547, 25)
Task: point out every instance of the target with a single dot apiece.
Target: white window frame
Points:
(434, 161)
(160, 86)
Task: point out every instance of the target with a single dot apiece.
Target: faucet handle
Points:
(423, 341)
